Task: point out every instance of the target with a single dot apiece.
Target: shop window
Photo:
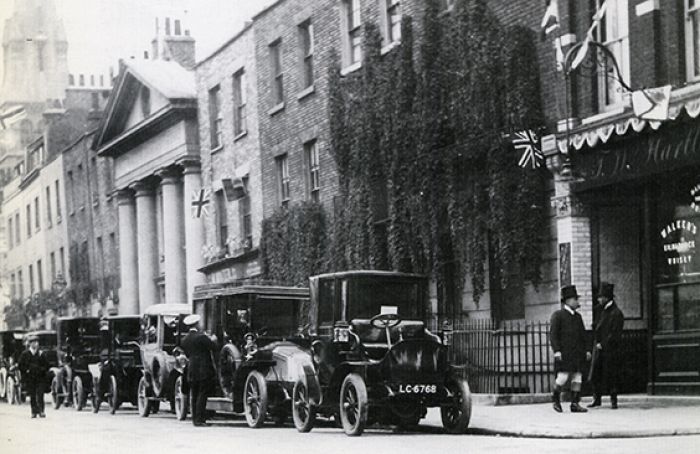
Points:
(613, 33)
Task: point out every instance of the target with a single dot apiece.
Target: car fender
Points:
(95, 370)
(313, 386)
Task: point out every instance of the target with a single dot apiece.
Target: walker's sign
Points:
(655, 152)
(678, 239)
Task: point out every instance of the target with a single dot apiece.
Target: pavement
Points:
(638, 416)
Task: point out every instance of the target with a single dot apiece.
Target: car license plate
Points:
(417, 389)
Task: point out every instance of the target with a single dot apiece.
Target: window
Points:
(178, 30)
(145, 101)
(71, 192)
(79, 188)
(95, 182)
(306, 33)
(71, 79)
(246, 221)
(114, 252)
(215, 117)
(52, 258)
(92, 80)
(81, 78)
(283, 179)
(58, 203)
(10, 233)
(13, 286)
(20, 285)
(352, 32)
(62, 258)
(37, 216)
(18, 237)
(239, 102)
(391, 15)
(221, 219)
(31, 280)
(613, 32)
(311, 152)
(49, 219)
(692, 39)
(100, 260)
(29, 221)
(276, 70)
(39, 276)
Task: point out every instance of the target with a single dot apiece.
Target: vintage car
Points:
(78, 346)
(11, 346)
(374, 359)
(116, 377)
(161, 332)
(261, 349)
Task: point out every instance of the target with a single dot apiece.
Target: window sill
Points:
(240, 135)
(306, 92)
(391, 46)
(71, 213)
(216, 149)
(352, 68)
(277, 108)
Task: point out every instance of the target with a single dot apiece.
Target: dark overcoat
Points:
(568, 336)
(199, 349)
(34, 369)
(608, 333)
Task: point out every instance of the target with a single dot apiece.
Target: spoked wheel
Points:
(353, 405)
(56, 391)
(96, 398)
(255, 399)
(113, 398)
(303, 412)
(455, 417)
(182, 400)
(78, 393)
(142, 400)
(3, 380)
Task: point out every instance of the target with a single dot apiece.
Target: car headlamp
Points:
(341, 334)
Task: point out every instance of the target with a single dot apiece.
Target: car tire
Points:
(78, 393)
(113, 394)
(255, 399)
(56, 391)
(142, 400)
(96, 398)
(303, 411)
(182, 400)
(353, 405)
(455, 418)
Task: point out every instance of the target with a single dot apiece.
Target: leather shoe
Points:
(596, 403)
(201, 424)
(42, 415)
(576, 408)
(33, 415)
(557, 407)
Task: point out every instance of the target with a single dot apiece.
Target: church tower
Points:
(35, 54)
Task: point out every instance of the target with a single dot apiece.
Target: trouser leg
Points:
(32, 401)
(202, 401)
(39, 393)
(194, 393)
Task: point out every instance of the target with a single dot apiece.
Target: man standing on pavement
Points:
(34, 368)
(606, 367)
(568, 339)
(199, 349)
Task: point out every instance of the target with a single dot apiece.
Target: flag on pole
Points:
(550, 21)
(583, 50)
(200, 203)
(528, 142)
(11, 116)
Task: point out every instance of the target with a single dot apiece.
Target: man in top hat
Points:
(34, 368)
(606, 367)
(568, 339)
(199, 349)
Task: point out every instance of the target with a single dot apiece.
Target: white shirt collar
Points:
(571, 311)
(610, 303)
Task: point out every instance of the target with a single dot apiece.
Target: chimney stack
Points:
(172, 42)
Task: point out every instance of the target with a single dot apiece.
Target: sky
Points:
(100, 32)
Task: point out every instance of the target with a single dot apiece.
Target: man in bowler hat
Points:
(568, 339)
(34, 368)
(199, 349)
(606, 367)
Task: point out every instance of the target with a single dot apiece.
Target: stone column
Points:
(173, 247)
(129, 291)
(194, 227)
(147, 244)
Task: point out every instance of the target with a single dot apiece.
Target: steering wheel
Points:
(383, 321)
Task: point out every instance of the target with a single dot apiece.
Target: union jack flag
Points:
(200, 202)
(528, 142)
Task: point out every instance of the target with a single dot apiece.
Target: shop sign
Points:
(695, 194)
(649, 154)
(678, 239)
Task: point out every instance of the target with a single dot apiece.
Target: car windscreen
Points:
(367, 295)
(126, 330)
(276, 318)
(47, 341)
(80, 334)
